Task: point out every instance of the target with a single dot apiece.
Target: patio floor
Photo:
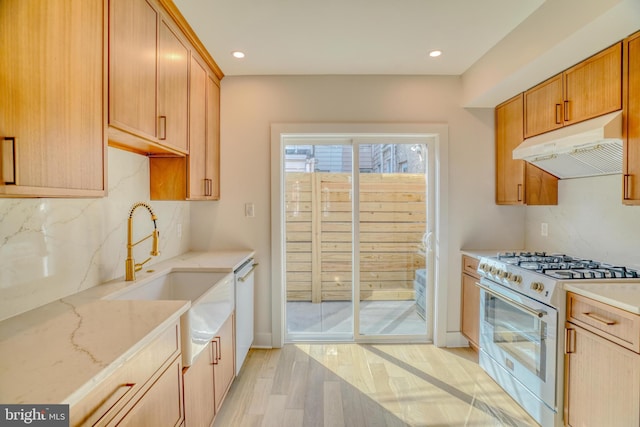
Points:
(376, 318)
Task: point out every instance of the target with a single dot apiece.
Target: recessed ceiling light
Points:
(435, 53)
(237, 54)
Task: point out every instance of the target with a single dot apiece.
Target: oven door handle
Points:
(537, 313)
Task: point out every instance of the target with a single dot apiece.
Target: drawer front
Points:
(470, 265)
(128, 382)
(609, 322)
(161, 406)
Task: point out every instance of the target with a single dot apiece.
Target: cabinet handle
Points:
(162, 131)
(558, 114)
(105, 418)
(519, 192)
(600, 319)
(569, 341)
(626, 189)
(219, 348)
(243, 278)
(214, 354)
(566, 111)
(208, 186)
(9, 161)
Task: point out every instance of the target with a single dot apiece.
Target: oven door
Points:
(519, 335)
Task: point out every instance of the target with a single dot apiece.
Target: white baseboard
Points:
(456, 339)
(262, 340)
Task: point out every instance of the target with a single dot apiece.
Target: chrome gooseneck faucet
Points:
(130, 265)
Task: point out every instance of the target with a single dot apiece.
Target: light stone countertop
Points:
(58, 352)
(477, 253)
(624, 295)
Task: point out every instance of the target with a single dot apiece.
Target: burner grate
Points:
(561, 266)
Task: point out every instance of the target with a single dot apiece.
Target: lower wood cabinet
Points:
(470, 305)
(161, 405)
(199, 405)
(602, 365)
(145, 391)
(207, 381)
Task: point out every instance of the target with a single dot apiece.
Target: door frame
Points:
(280, 131)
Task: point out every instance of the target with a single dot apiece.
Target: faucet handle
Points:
(155, 250)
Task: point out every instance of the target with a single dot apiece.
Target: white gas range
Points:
(522, 314)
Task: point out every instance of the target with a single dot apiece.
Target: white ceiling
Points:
(481, 40)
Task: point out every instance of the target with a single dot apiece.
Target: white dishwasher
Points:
(244, 310)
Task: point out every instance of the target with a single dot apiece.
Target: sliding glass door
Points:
(356, 224)
(392, 223)
(318, 239)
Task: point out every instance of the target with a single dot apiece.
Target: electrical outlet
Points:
(544, 229)
(249, 210)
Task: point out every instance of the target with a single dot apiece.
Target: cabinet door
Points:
(510, 182)
(224, 370)
(213, 138)
(52, 122)
(470, 309)
(543, 105)
(173, 88)
(602, 381)
(199, 406)
(594, 86)
(632, 120)
(132, 67)
(197, 163)
(542, 187)
(161, 405)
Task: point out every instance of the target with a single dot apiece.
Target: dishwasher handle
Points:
(245, 275)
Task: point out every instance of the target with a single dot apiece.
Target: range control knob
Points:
(537, 286)
(517, 279)
(502, 274)
(483, 267)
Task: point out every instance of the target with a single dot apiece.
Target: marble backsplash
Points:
(51, 248)
(589, 221)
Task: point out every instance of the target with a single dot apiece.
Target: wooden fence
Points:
(319, 235)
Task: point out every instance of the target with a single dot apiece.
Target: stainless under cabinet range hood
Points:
(589, 148)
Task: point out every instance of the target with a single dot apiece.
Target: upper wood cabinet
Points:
(53, 98)
(148, 79)
(173, 88)
(543, 107)
(586, 90)
(204, 153)
(631, 121)
(196, 177)
(518, 183)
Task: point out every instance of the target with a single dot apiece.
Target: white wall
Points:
(590, 221)
(51, 248)
(251, 104)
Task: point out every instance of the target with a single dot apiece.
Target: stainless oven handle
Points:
(538, 313)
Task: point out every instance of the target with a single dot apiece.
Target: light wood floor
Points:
(334, 385)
